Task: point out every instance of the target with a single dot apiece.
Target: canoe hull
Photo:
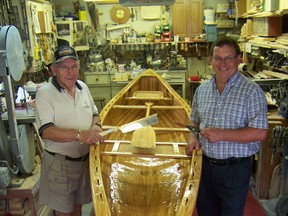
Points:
(127, 180)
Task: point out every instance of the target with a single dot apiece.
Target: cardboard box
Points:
(241, 7)
(249, 26)
(271, 5)
(283, 4)
(222, 7)
(267, 26)
(225, 23)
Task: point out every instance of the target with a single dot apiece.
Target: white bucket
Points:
(209, 15)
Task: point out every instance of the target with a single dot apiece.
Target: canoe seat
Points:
(100, 100)
(148, 94)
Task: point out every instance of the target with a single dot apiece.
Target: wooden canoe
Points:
(128, 180)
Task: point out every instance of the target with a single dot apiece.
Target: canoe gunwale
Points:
(100, 201)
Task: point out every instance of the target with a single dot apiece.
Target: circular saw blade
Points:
(14, 51)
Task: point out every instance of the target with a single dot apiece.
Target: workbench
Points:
(27, 190)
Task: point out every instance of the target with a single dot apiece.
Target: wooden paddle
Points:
(144, 137)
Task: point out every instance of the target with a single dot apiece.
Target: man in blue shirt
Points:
(231, 112)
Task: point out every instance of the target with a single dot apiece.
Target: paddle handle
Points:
(148, 104)
(108, 131)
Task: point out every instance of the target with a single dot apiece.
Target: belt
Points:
(83, 158)
(224, 162)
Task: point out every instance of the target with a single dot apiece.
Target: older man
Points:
(68, 123)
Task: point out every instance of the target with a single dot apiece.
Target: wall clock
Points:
(120, 14)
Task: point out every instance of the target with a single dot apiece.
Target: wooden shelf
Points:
(268, 45)
(156, 43)
(263, 14)
(225, 27)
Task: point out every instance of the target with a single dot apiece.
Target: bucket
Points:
(209, 15)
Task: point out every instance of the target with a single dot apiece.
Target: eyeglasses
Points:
(65, 68)
(218, 60)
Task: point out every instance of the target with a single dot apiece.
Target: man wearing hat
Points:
(68, 122)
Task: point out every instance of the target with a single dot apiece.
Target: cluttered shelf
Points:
(267, 44)
(153, 43)
(275, 13)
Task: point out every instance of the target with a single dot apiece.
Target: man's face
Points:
(66, 72)
(225, 62)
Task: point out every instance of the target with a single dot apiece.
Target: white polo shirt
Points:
(54, 106)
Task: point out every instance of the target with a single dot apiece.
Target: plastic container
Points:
(209, 15)
(82, 15)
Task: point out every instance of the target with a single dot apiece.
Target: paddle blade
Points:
(140, 123)
(144, 138)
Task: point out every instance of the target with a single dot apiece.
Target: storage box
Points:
(210, 37)
(225, 23)
(247, 28)
(267, 26)
(241, 7)
(283, 4)
(210, 29)
(271, 5)
(222, 7)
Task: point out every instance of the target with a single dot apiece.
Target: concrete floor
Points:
(269, 206)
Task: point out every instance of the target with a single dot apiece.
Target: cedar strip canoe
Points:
(128, 180)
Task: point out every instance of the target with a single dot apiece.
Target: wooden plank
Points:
(157, 143)
(144, 107)
(116, 146)
(176, 149)
(171, 129)
(276, 74)
(130, 154)
(151, 98)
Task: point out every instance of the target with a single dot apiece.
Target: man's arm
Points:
(242, 135)
(69, 135)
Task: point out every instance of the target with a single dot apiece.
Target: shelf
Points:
(157, 43)
(268, 45)
(225, 27)
(73, 31)
(264, 14)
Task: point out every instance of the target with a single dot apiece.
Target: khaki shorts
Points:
(64, 183)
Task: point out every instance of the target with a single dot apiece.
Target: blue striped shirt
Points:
(242, 104)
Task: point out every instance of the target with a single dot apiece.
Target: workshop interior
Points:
(127, 50)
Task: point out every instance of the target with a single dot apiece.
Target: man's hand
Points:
(90, 137)
(193, 143)
(212, 134)
(96, 127)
